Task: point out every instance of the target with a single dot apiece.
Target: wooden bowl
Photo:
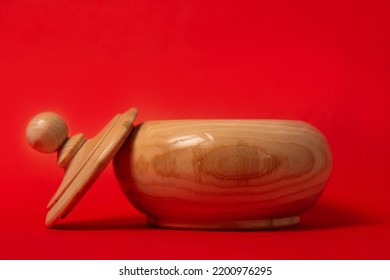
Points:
(202, 174)
(223, 174)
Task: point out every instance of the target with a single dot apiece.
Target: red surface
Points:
(327, 63)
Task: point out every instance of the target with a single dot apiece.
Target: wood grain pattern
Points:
(223, 173)
(83, 160)
(46, 132)
(69, 149)
(87, 164)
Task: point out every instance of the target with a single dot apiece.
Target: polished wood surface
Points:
(203, 174)
(212, 174)
(46, 132)
(69, 149)
(83, 160)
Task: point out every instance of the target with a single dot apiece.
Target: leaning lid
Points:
(83, 160)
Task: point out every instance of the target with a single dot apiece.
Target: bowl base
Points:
(224, 225)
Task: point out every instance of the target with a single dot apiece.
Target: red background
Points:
(327, 63)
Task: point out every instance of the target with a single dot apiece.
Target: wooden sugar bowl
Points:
(196, 174)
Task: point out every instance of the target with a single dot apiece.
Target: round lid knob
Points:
(46, 132)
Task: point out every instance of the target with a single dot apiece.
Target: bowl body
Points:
(223, 174)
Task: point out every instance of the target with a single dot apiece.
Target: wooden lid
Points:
(83, 160)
